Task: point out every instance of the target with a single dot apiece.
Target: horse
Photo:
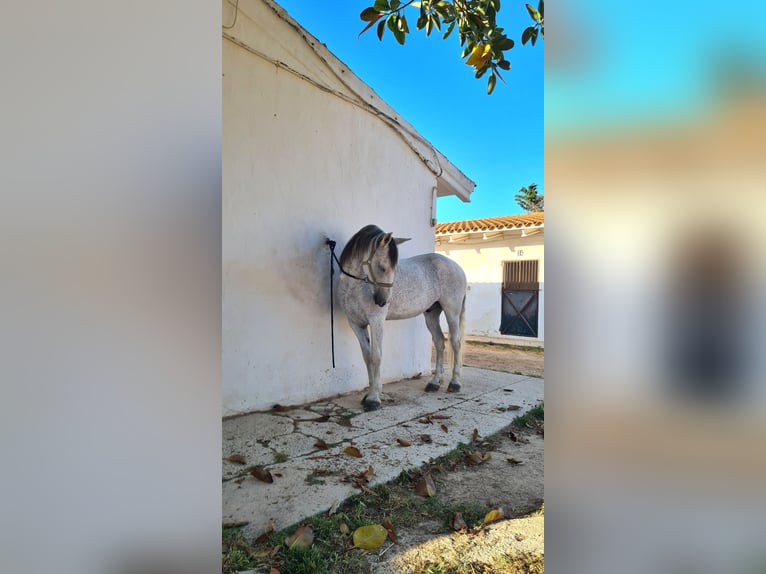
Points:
(376, 286)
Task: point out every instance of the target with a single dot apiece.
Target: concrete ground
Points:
(308, 479)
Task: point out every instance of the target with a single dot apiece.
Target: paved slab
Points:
(309, 479)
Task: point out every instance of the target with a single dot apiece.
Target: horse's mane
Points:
(364, 241)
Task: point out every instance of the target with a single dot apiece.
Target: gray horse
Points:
(375, 286)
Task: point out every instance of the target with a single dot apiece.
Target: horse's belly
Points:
(395, 315)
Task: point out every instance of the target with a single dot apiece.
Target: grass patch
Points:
(237, 552)
(332, 551)
(532, 416)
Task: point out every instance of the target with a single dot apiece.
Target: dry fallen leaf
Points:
(367, 474)
(426, 421)
(439, 417)
(321, 444)
(493, 515)
(273, 570)
(266, 533)
(513, 407)
(487, 456)
(303, 537)
(277, 474)
(352, 451)
(344, 529)
(513, 436)
(457, 522)
(419, 375)
(333, 508)
(514, 462)
(236, 524)
(238, 458)
(365, 490)
(474, 458)
(391, 531)
(425, 486)
(475, 435)
(262, 474)
(370, 537)
(444, 428)
(280, 409)
(404, 442)
(426, 438)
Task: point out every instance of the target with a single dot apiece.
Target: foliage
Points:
(529, 200)
(484, 42)
(536, 413)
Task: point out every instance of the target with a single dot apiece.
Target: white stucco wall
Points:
(299, 165)
(482, 261)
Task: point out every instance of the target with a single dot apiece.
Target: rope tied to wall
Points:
(331, 245)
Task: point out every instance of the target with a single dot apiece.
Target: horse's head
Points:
(379, 257)
(380, 267)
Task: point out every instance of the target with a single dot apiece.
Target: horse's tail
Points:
(462, 331)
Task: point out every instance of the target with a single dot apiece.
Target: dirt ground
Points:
(505, 358)
(511, 479)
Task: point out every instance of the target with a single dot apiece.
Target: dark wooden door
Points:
(520, 299)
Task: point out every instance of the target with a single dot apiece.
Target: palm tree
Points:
(529, 200)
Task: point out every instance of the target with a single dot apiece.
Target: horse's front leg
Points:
(371, 400)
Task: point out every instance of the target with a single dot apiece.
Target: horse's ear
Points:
(400, 240)
(385, 240)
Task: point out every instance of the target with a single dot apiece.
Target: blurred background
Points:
(655, 141)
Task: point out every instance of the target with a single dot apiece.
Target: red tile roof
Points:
(492, 223)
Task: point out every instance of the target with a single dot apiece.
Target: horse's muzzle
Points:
(379, 299)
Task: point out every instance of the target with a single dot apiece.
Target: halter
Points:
(367, 262)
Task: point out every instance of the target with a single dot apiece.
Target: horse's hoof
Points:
(370, 405)
(432, 387)
(454, 388)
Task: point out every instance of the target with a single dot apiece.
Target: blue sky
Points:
(645, 62)
(495, 140)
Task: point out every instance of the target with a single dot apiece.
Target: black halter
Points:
(368, 262)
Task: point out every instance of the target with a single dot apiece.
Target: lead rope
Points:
(331, 244)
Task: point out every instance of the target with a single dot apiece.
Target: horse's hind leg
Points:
(454, 321)
(432, 322)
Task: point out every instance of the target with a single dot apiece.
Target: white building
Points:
(309, 152)
(504, 261)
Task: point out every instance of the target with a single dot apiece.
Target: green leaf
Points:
(395, 4)
(370, 24)
(381, 5)
(421, 23)
(540, 8)
(405, 28)
(481, 72)
(504, 64)
(381, 29)
(534, 35)
(449, 30)
(369, 15)
(542, 32)
(504, 44)
(526, 35)
(533, 13)
(491, 83)
(429, 25)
